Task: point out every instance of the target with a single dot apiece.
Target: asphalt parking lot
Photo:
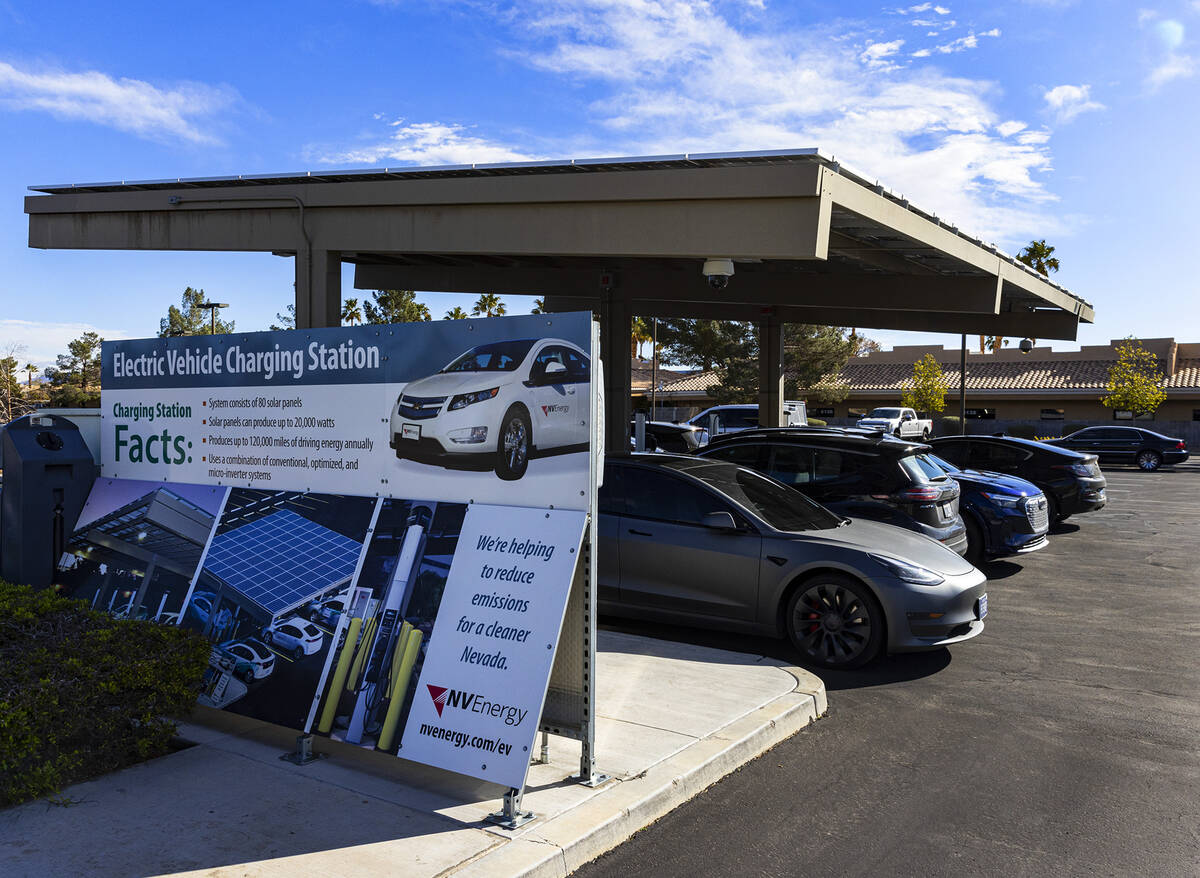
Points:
(1065, 740)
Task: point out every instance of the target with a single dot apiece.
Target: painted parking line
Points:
(281, 655)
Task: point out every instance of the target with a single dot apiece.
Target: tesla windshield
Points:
(500, 356)
(779, 506)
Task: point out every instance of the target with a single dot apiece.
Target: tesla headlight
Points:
(462, 400)
(907, 571)
(1004, 501)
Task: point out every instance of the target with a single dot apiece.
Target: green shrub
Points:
(82, 693)
(949, 426)
(817, 422)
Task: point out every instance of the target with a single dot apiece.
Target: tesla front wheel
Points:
(835, 622)
(512, 448)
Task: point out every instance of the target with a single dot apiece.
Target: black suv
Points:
(1072, 482)
(1147, 449)
(857, 473)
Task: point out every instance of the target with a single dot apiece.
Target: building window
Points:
(1196, 414)
(823, 412)
(1052, 414)
(981, 414)
(1126, 415)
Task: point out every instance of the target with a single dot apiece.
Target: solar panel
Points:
(281, 560)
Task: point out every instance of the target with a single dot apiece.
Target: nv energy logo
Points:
(548, 410)
(473, 702)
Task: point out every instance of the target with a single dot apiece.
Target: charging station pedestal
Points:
(48, 472)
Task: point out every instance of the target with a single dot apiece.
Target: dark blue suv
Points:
(1004, 515)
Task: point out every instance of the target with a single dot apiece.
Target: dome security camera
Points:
(717, 271)
(1026, 345)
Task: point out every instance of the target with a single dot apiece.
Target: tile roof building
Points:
(1043, 384)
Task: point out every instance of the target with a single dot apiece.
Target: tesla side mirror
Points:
(719, 521)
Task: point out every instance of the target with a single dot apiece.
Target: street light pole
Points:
(962, 388)
(212, 310)
(654, 372)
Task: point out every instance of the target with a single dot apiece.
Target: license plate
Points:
(983, 606)
(946, 511)
(410, 431)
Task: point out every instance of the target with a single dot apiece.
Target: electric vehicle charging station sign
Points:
(453, 410)
(473, 442)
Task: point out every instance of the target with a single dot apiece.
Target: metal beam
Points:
(778, 228)
(1056, 325)
(974, 295)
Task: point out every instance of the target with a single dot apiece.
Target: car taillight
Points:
(1181, 446)
(923, 494)
(1079, 469)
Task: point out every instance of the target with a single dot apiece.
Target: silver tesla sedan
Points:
(701, 542)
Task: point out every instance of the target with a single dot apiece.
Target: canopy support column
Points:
(319, 290)
(616, 326)
(770, 371)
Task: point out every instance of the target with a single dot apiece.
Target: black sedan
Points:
(1072, 482)
(1145, 448)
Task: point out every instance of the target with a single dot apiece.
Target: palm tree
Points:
(456, 313)
(1038, 255)
(351, 313)
(539, 306)
(30, 368)
(639, 336)
(489, 305)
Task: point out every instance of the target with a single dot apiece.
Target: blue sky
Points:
(1070, 121)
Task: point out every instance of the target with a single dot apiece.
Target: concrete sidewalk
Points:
(673, 719)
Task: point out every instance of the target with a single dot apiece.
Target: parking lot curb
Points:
(562, 844)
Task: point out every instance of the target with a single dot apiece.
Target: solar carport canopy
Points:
(281, 560)
(811, 241)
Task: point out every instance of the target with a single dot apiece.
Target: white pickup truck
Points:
(900, 422)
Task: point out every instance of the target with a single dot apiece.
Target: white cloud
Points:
(1008, 129)
(676, 76)
(422, 143)
(1170, 62)
(970, 41)
(1068, 101)
(875, 55)
(43, 341)
(179, 112)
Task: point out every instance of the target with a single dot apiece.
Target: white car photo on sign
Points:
(496, 405)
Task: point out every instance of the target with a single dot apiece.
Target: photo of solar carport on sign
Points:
(267, 595)
(136, 547)
(281, 561)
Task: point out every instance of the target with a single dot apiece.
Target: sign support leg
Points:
(511, 816)
(588, 775)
